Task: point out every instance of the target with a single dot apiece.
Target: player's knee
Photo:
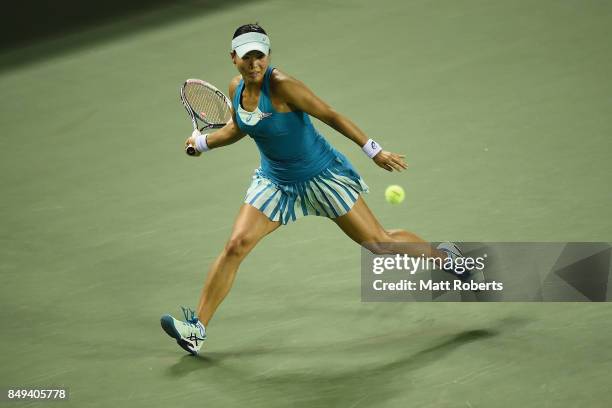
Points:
(380, 248)
(378, 243)
(392, 232)
(238, 246)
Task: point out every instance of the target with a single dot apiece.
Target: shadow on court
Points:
(366, 383)
(61, 27)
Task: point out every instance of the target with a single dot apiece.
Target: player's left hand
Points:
(390, 161)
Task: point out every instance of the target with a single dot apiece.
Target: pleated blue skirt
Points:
(331, 193)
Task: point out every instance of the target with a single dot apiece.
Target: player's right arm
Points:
(228, 134)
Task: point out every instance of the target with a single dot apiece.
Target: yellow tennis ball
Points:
(394, 194)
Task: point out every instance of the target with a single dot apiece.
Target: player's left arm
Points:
(299, 97)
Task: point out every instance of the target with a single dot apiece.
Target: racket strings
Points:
(210, 106)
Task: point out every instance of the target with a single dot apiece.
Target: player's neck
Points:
(253, 88)
(250, 96)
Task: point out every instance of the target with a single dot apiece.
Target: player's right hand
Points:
(190, 141)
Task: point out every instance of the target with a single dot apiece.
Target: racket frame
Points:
(195, 116)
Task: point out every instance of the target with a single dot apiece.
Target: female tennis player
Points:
(301, 174)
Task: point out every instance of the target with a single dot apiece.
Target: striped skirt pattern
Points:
(330, 193)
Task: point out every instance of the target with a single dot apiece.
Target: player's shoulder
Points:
(281, 81)
(234, 84)
(279, 77)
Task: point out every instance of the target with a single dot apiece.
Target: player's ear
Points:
(233, 57)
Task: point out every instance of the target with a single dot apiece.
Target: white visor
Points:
(249, 42)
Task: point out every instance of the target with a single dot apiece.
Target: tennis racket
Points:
(205, 103)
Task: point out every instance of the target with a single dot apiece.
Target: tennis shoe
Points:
(457, 268)
(189, 334)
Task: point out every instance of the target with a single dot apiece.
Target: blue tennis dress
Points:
(300, 173)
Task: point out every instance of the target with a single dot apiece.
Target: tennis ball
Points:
(394, 194)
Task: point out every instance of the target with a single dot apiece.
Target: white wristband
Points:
(200, 143)
(371, 148)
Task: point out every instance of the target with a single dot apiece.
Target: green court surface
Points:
(503, 110)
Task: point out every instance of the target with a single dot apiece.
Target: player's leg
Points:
(250, 227)
(361, 226)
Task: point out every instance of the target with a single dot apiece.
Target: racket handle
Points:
(190, 150)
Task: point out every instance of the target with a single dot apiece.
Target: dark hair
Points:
(249, 28)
